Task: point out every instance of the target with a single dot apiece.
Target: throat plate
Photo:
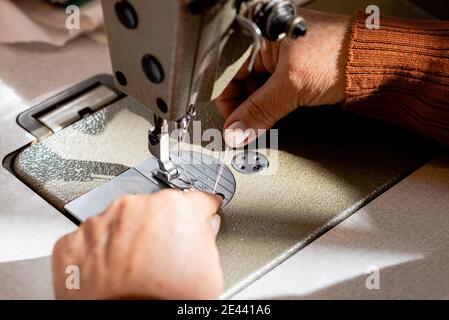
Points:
(198, 168)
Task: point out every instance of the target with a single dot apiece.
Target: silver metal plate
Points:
(69, 112)
(202, 169)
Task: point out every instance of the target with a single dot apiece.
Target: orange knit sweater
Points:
(400, 74)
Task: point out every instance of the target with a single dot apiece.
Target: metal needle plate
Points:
(200, 168)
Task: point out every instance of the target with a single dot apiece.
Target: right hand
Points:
(158, 246)
(308, 71)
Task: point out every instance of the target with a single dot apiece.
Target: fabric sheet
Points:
(38, 21)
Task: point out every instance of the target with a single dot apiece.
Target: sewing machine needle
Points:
(180, 137)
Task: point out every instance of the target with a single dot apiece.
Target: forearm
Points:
(400, 74)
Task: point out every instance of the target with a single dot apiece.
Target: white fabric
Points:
(38, 21)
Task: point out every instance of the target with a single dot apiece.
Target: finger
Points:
(261, 110)
(207, 204)
(95, 232)
(118, 204)
(259, 67)
(215, 222)
(252, 84)
(69, 249)
(237, 92)
(263, 64)
(230, 99)
(128, 215)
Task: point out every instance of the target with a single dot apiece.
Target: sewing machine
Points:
(171, 70)
(308, 229)
(172, 67)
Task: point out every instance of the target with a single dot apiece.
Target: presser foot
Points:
(177, 181)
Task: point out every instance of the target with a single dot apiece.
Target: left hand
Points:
(160, 246)
(306, 72)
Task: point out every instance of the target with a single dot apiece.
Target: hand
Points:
(159, 246)
(308, 71)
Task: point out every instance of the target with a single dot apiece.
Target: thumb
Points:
(261, 110)
(207, 203)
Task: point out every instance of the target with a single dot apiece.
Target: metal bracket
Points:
(73, 110)
(69, 106)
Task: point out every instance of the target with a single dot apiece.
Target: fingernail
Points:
(215, 223)
(236, 134)
(219, 197)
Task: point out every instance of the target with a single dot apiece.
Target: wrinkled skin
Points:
(159, 246)
(308, 71)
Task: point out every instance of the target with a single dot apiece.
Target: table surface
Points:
(30, 73)
(401, 237)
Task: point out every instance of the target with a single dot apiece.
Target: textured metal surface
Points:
(402, 234)
(74, 161)
(316, 179)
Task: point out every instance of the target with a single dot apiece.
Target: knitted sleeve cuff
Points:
(400, 74)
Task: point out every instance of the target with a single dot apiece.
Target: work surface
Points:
(316, 179)
(29, 226)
